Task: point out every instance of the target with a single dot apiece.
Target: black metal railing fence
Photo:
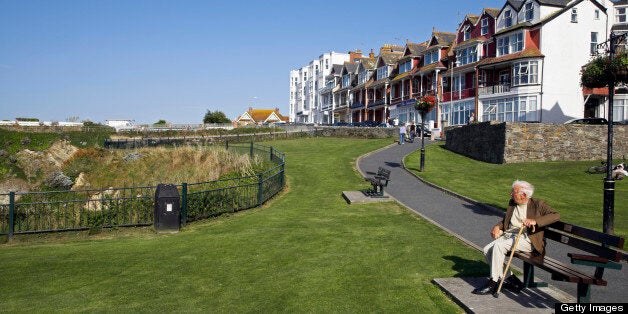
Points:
(36, 212)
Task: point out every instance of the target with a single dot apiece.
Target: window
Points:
(620, 110)
(467, 55)
(510, 44)
(593, 43)
(504, 78)
(524, 73)
(529, 11)
(363, 76)
(346, 80)
(507, 18)
(382, 73)
(405, 67)
(431, 57)
(574, 15)
(597, 14)
(620, 15)
(326, 64)
(458, 83)
(467, 33)
(482, 78)
(484, 29)
(522, 108)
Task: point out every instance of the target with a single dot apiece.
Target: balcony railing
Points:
(377, 103)
(456, 95)
(494, 89)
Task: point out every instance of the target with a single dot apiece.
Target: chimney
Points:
(354, 55)
(371, 54)
(250, 109)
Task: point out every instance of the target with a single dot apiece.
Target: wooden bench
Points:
(379, 181)
(605, 253)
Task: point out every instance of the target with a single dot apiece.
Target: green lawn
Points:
(566, 186)
(306, 251)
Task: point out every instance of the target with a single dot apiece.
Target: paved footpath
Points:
(470, 221)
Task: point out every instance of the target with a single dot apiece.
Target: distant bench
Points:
(605, 250)
(379, 181)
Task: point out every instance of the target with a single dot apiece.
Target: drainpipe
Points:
(541, 96)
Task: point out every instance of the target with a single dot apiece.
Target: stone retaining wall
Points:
(513, 142)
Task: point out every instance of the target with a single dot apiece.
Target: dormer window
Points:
(507, 18)
(574, 15)
(346, 80)
(405, 67)
(529, 11)
(620, 15)
(466, 32)
(431, 57)
(382, 73)
(363, 77)
(484, 29)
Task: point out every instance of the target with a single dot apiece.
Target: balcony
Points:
(378, 102)
(494, 89)
(456, 95)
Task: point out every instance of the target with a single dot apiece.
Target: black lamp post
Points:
(422, 112)
(609, 182)
(424, 105)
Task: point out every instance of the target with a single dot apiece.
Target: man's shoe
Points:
(488, 288)
(513, 284)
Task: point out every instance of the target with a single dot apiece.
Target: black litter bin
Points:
(167, 208)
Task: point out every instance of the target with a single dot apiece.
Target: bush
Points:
(58, 180)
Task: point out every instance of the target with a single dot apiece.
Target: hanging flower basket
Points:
(425, 104)
(598, 72)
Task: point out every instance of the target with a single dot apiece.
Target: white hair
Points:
(525, 187)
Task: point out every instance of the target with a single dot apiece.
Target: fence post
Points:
(271, 153)
(251, 152)
(260, 189)
(184, 203)
(227, 144)
(11, 213)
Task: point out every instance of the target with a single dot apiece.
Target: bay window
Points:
(524, 73)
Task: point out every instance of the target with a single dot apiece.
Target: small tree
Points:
(215, 117)
(160, 122)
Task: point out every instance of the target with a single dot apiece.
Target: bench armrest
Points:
(592, 260)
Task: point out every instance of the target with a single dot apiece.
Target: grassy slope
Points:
(308, 251)
(566, 186)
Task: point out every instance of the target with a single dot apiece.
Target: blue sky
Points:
(174, 60)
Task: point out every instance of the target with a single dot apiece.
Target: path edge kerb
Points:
(484, 206)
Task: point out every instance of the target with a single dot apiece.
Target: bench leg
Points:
(584, 293)
(528, 277)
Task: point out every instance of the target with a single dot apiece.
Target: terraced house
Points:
(520, 62)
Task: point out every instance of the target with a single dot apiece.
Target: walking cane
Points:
(512, 252)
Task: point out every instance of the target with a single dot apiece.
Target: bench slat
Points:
(586, 246)
(596, 236)
(559, 270)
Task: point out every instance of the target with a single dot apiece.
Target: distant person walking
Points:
(402, 133)
(412, 131)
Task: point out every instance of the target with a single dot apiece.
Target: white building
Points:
(120, 124)
(305, 85)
